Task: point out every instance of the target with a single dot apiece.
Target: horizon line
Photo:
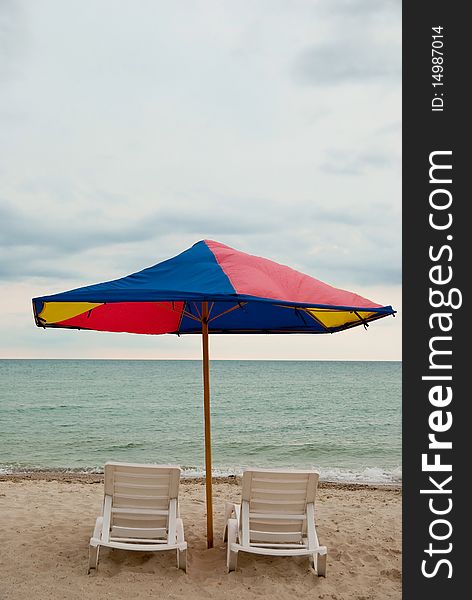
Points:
(221, 359)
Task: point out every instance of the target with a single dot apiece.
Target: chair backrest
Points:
(274, 504)
(141, 496)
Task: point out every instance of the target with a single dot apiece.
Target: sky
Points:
(129, 131)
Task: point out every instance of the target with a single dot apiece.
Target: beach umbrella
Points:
(209, 288)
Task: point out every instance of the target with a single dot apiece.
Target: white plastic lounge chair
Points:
(140, 511)
(276, 517)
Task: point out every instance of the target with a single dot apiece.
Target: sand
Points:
(46, 521)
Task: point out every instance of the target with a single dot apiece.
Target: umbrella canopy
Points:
(247, 294)
(209, 288)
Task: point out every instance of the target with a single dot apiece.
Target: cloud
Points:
(67, 232)
(348, 61)
(86, 246)
(372, 265)
(13, 39)
(358, 163)
(79, 230)
(360, 44)
(362, 9)
(35, 244)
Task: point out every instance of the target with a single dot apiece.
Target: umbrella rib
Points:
(239, 305)
(316, 319)
(183, 311)
(210, 309)
(191, 316)
(181, 315)
(198, 312)
(363, 321)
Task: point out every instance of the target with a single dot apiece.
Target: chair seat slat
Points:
(282, 545)
(146, 486)
(138, 540)
(139, 511)
(141, 475)
(140, 497)
(277, 501)
(149, 531)
(263, 515)
(256, 537)
(279, 481)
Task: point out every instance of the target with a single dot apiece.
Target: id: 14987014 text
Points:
(437, 68)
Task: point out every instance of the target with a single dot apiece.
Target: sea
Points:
(341, 417)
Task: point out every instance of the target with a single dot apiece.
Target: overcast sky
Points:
(130, 130)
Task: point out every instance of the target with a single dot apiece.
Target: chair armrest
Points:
(97, 532)
(232, 510)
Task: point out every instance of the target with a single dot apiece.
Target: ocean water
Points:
(344, 418)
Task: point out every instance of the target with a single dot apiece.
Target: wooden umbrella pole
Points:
(206, 410)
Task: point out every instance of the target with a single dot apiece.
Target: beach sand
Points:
(46, 521)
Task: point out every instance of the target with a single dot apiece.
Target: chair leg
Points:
(93, 559)
(229, 507)
(182, 560)
(94, 550)
(181, 554)
(232, 555)
(232, 560)
(321, 565)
